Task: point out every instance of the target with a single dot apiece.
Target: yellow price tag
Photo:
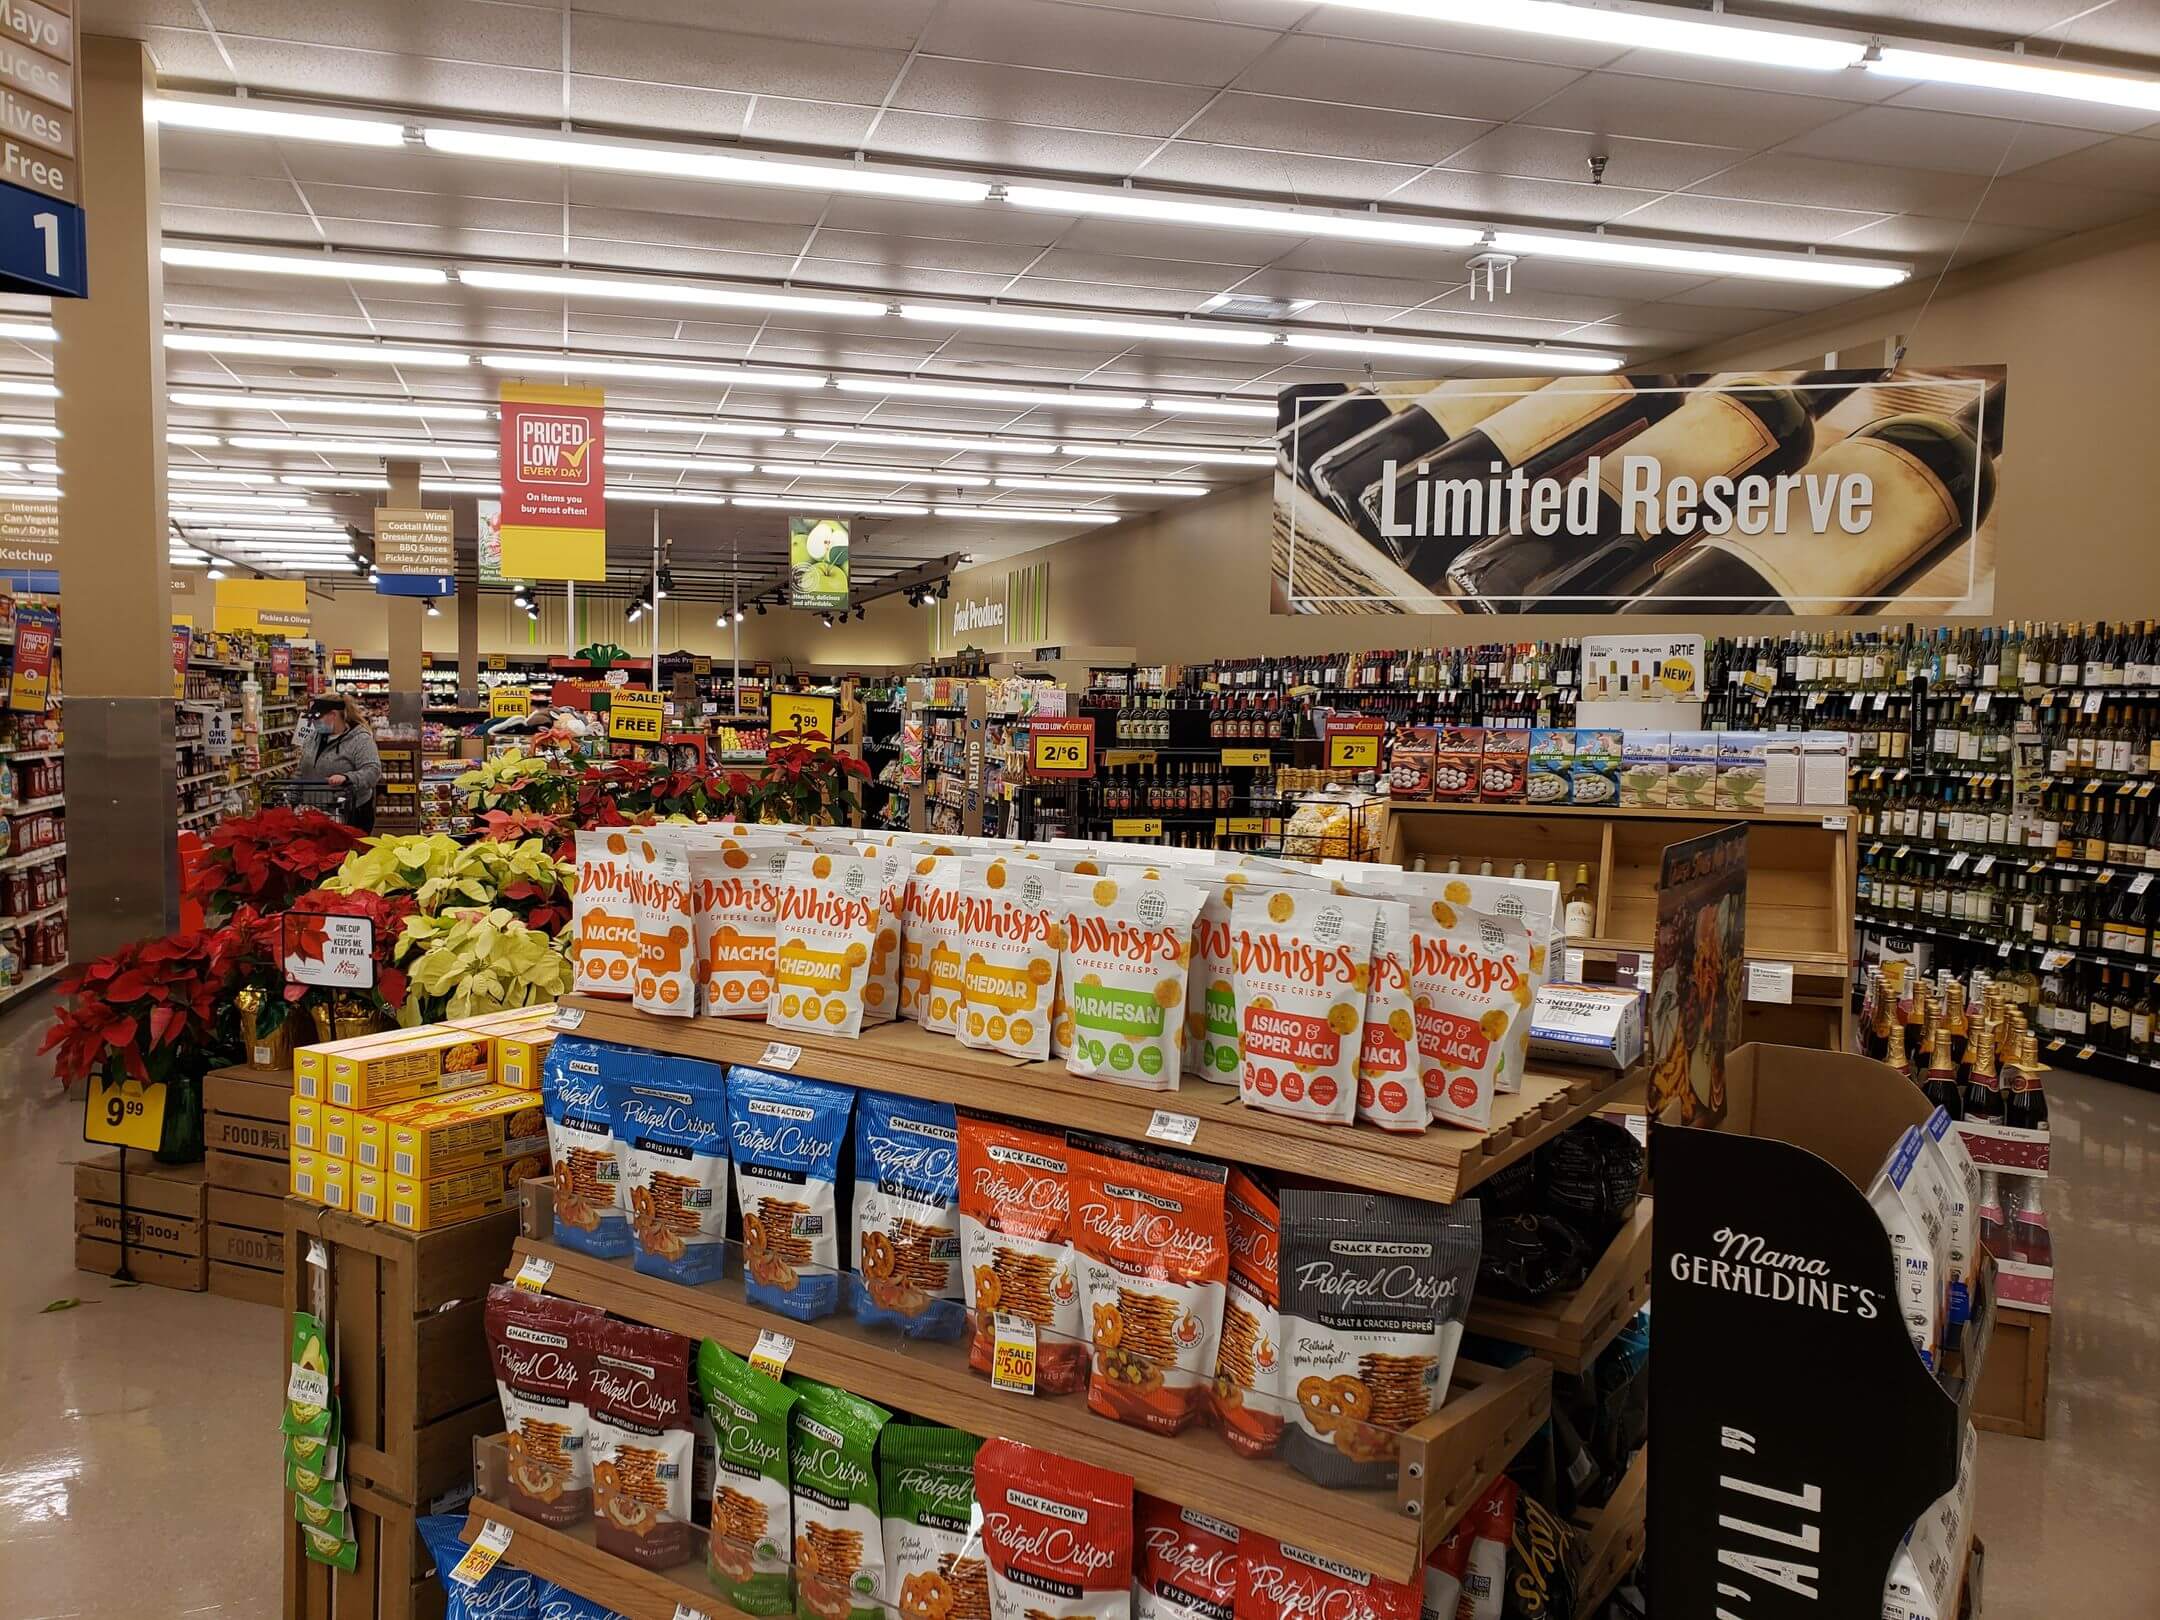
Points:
(1353, 751)
(124, 1113)
(487, 1547)
(1248, 824)
(1065, 752)
(509, 702)
(1245, 756)
(634, 716)
(1128, 756)
(771, 1352)
(1012, 1359)
(498, 661)
(793, 713)
(1136, 827)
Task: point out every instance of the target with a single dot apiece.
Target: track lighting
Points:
(761, 610)
(433, 611)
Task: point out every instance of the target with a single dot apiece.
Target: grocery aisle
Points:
(138, 1431)
(143, 1418)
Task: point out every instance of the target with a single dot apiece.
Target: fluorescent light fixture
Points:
(192, 475)
(267, 520)
(254, 118)
(1242, 411)
(630, 423)
(26, 388)
(1171, 208)
(637, 495)
(51, 469)
(2024, 75)
(352, 354)
(971, 393)
(184, 436)
(1096, 486)
(930, 441)
(640, 290)
(387, 449)
(711, 464)
(325, 405)
(1171, 453)
(29, 430)
(29, 331)
(1798, 267)
(1229, 337)
(810, 504)
(335, 481)
(1014, 514)
(460, 486)
(218, 497)
(578, 365)
(1467, 353)
(695, 163)
(868, 475)
(328, 266)
(29, 492)
(1727, 39)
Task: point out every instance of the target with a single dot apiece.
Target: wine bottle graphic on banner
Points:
(1312, 418)
(1735, 428)
(1429, 511)
(1933, 479)
(1341, 472)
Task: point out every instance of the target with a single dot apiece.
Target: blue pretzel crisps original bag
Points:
(787, 1135)
(503, 1593)
(904, 1242)
(671, 1127)
(592, 1214)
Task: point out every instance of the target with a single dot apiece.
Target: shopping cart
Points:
(331, 798)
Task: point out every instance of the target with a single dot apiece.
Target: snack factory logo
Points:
(554, 447)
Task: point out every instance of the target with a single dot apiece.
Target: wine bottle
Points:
(1312, 418)
(1344, 468)
(1747, 429)
(1934, 483)
(1983, 1086)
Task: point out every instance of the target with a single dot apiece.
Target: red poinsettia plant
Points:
(147, 1012)
(266, 860)
(806, 784)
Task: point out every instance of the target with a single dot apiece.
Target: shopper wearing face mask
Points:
(336, 747)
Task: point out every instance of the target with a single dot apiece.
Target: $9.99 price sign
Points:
(1061, 748)
(125, 1113)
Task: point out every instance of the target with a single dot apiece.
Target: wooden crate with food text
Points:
(162, 1216)
(392, 1576)
(247, 1132)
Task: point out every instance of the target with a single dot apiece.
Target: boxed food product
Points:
(1824, 760)
(1645, 757)
(521, 1055)
(370, 1195)
(1411, 761)
(311, 1064)
(436, 1135)
(305, 1116)
(1916, 1239)
(1740, 770)
(1504, 768)
(307, 1174)
(1691, 773)
(336, 1190)
(1781, 767)
(1552, 761)
(1595, 778)
(414, 1063)
(1455, 766)
(1583, 1023)
(421, 1206)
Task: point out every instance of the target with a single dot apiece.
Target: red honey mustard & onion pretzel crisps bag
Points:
(1153, 1258)
(1058, 1535)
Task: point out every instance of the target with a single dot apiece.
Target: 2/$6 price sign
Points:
(41, 216)
(1061, 748)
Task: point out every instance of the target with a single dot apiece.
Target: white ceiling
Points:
(1282, 101)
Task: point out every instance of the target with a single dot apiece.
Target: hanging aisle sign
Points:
(554, 500)
(42, 229)
(415, 552)
(818, 562)
(36, 629)
(30, 545)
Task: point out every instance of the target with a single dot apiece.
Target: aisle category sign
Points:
(268, 607)
(42, 228)
(415, 551)
(554, 493)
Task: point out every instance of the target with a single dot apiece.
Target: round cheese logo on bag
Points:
(1128, 946)
(1303, 971)
(1011, 934)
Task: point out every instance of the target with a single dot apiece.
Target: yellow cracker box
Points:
(305, 1116)
(307, 1174)
(417, 1063)
(495, 1023)
(487, 1125)
(337, 1183)
(520, 1036)
(311, 1064)
(369, 1199)
(420, 1206)
(338, 1135)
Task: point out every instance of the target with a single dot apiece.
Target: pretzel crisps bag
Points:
(671, 1127)
(1374, 1292)
(1185, 1564)
(1128, 944)
(1390, 1092)
(637, 1390)
(603, 913)
(533, 1340)
(839, 1528)
(734, 891)
(1303, 968)
(591, 1207)
(1470, 991)
(826, 926)
(926, 1484)
(1247, 1393)
(1016, 1247)
(1278, 1580)
(931, 987)
(786, 1134)
(666, 977)
(753, 1516)
(904, 1242)
(1058, 1535)
(1152, 1255)
(1011, 932)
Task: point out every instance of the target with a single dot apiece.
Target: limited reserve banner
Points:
(1794, 492)
(554, 492)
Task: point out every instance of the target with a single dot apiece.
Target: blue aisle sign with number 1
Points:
(41, 245)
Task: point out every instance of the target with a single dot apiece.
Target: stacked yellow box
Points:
(521, 1037)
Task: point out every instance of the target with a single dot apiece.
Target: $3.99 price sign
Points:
(125, 1113)
(1061, 748)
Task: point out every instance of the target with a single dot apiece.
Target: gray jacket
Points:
(350, 755)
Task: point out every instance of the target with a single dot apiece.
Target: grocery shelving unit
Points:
(1571, 1329)
(33, 802)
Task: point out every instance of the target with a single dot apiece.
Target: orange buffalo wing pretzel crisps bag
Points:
(826, 924)
(734, 892)
(603, 913)
(1016, 1247)
(931, 987)
(1128, 945)
(1011, 933)
(665, 980)
(1247, 1398)
(1153, 1258)
(1303, 968)
(1470, 992)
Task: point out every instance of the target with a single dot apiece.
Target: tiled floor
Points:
(139, 1453)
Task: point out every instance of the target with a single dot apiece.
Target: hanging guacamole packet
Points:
(308, 1405)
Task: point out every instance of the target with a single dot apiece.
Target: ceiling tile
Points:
(1197, 276)
(641, 226)
(658, 53)
(924, 253)
(1360, 73)
(1838, 85)
(872, 24)
(2055, 205)
(1931, 239)
(395, 78)
(1284, 123)
(1479, 197)
(1085, 39)
(1533, 152)
(2128, 163)
(2019, 109)
(785, 120)
(475, 31)
(1692, 214)
(991, 147)
(1787, 177)
(1093, 293)
(1749, 292)
(1682, 110)
(1932, 140)
(635, 102)
(1018, 95)
(901, 278)
(1294, 176)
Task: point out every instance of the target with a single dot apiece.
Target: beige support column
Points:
(408, 691)
(468, 641)
(116, 599)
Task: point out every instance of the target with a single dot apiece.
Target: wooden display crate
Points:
(163, 1219)
(1570, 1330)
(2012, 1397)
(392, 1579)
(246, 1114)
(1612, 1538)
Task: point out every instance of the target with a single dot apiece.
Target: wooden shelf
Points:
(1447, 1462)
(1569, 1330)
(1794, 815)
(1613, 1538)
(1438, 1165)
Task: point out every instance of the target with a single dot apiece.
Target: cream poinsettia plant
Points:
(475, 959)
(442, 874)
(515, 781)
